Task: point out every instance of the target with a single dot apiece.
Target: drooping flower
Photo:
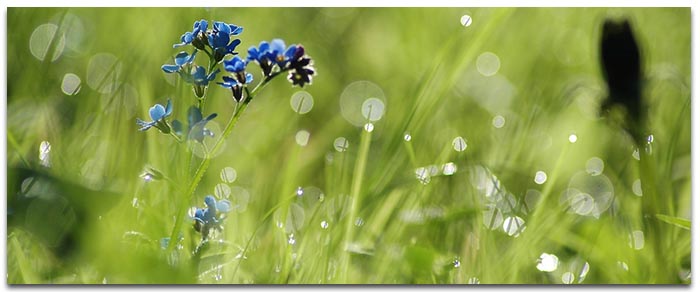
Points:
(198, 31)
(181, 59)
(158, 114)
(279, 53)
(210, 217)
(196, 129)
(237, 66)
(261, 56)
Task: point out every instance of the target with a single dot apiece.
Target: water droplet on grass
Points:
(302, 137)
(373, 109)
(369, 127)
(599, 188)
(300, 191)
(104, 73)
(623, 266)
(547, 262)
(582, 203)
(459, 144)
(43, 39)
(228, 174)
(324, 224)
(595, 166)
(540, 177)
(635, 154)
(45, 153)
(584, 272)
(466, 20)
(498, 122)
(291, 239)
(573, 138)
(449, 168)
(567, 278)
(423, 175)
(456, 263)
(353, 99)
(301, 102)
(359, 222)
(637, 187)
(340, 144)
(492, 217)
(407, 137)
(637, 239)
(513, 226)
(488, 64)
(70, 84)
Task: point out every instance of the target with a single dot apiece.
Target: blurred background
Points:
(488, 162)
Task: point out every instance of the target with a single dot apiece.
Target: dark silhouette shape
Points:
(621, 63)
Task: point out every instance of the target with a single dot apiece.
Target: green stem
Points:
(355, 196)
(204, 165)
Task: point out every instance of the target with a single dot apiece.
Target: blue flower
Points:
(220, 39)
(158, 114)
(196, 125)
(200, 77)
(198, 30)
(181, 59)
(235, 65)
(236, 86)
(210, 217)
(261, 55)
(279, 53)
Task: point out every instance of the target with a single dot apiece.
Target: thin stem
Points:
(204, 165)
(176, 137)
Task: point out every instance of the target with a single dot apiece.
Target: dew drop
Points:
(45, 153)
(449, 168)
(488, 64)
(595, 166)
(228, 174)
(584, 272)
(547, 262)
(423, 175)
(42, 40)
(498, 122)
(567, 278)
(373, 109)
(456, 263)
(301, 102)
(70, 84)
(492, 217)
(466, 20)
(291, 239)
(222, 191)
(459, 144)
(135, 202)
(324, 224)
(513, 226)
(340, 144)
(623, 266)
(540, 177)
(302, 137)
(635, 154)
(637, 239)
(369, 127)
(637, 187)
(359, 222)
(300, 191)
(573, 138)
(407, 137)
(582, 203)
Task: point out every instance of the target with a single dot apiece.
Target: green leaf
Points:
(680, 222)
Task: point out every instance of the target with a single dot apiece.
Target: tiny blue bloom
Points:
(210, 217)
(220, 39)
(189, 37)
(181, 59)
(196, 130)
(200, 77)
(158, 113)
(235, 65)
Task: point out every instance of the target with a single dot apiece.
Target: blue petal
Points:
(223, 27)
(252, 53)
(232, 46)
(170, 68)
(181, 58)
(210, 117)
(236, 30)
(248, 78)
(264, 47)
(177, 127)
(156, 112)
(277, 46)
(290, 51)
(169, 108)
(193, 115)
(223, 206)
(210, 201)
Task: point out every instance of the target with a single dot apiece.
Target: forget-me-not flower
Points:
(301, 71)
(220, 39)
(181, 59)
(158, 114)
(196, 129)
(199, 29)
(210, 217)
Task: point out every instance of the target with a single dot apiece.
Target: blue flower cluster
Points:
(210, 217)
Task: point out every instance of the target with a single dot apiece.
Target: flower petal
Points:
(170, 68)
(181, 58)
(156, 112)
(168, 108)
(248, 78)
(223, 206)
(235, 30)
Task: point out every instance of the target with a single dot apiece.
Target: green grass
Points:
(364, 216)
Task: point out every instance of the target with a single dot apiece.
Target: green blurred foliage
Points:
(548, 86)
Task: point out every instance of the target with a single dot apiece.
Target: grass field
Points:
(425, 151)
